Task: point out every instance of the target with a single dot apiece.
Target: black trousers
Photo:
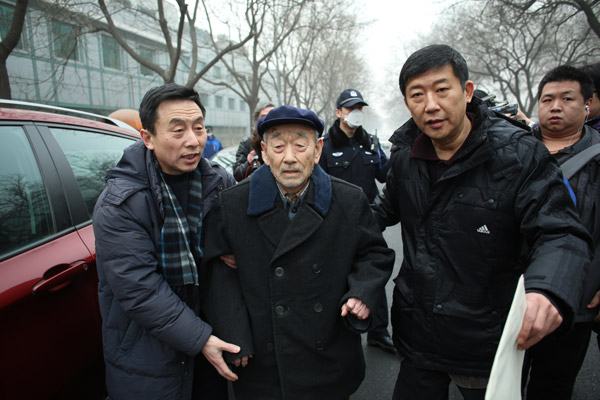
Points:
(554, 362)
(380, 318)
(415, 383)
(208, 384)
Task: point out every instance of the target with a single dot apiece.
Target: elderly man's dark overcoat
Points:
(283, 302)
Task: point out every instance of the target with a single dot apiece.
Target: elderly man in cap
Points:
(302, 291)
(352, 154)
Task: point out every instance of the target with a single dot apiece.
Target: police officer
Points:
(352, 154)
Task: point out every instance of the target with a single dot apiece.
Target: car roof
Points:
(99, 121)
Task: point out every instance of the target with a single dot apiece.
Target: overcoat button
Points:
(279, 271)
(280, 310)
(316, 269)
(318, 307)
(319, 345)
(270, 346)
(439, 306)
(490, 201)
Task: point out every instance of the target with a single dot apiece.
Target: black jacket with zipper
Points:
(499, 211)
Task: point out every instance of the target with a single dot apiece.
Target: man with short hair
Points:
(310, 263)
(564, 98)
(480, 202)
(148, 224)
(352, 154)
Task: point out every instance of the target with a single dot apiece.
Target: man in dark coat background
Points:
(310, 263)
(593, 118)
(480, 202)
(148, 227)
(354, 155)
(564, 101)
(247, 159)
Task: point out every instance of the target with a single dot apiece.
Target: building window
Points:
(232, 104)
(6, 16)
(242, 105)
(185, 62)
(146, 54)
(111, 53)
(64, 41)
(204, 99)
(218, 101)
(217, 72)
(200, 65)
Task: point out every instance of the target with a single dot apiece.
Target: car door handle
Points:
(59, 276)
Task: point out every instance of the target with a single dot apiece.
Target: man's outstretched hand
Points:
(213, 351)
(541, 319)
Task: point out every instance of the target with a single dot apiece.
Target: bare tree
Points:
(509, 54)
(9, 42)
(533, 8)
(275, 21)
(187, 23)
(311, 67)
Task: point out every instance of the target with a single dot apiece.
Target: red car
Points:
(52, 170)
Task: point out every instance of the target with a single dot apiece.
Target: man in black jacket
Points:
(352, 154)
(564, 97)
(480, 202)
(311, 261)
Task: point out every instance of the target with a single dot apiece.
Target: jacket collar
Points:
(594, 122)
(264, 191)
(586, 140)
(339, 139)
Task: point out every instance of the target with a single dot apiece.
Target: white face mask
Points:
(354, 119)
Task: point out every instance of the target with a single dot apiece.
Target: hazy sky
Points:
(394, 25)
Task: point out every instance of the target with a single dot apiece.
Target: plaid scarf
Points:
(179, 245)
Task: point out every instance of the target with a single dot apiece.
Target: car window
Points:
(90, 154)
(24, 209)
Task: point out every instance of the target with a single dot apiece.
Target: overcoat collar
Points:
(264, 191)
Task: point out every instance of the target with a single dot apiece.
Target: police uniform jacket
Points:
(283, 302)
(500, 210)
(359, 160)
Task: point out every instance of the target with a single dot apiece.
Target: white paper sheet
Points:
(505, 378)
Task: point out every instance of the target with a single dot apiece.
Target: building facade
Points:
(61, 61)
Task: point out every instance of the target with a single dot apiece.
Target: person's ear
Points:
(148, 139)
(469, 89)
(318, 150)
